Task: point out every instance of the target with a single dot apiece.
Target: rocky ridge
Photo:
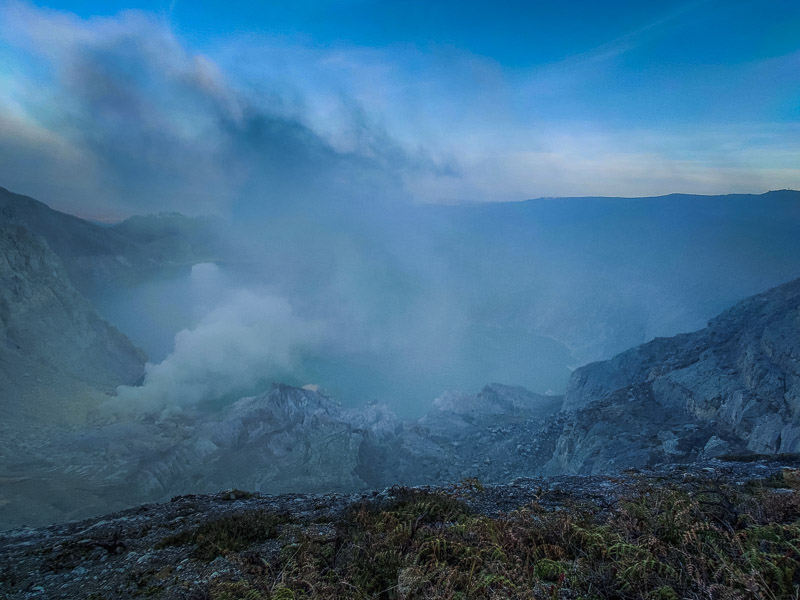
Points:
(731, 387)
(96, 256)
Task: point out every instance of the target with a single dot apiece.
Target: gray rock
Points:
(737, 380)
(54, 347)
(715, 447)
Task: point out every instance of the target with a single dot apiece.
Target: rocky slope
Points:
(496, 434)
(52, 342)
(731, 387)
(703, 530)
(287, 439)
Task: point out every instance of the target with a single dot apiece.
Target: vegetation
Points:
(231, 533)
(708, 540)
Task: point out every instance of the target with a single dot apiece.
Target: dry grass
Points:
(662, 543)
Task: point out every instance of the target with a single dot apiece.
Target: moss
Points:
(660, 544)
(665, 541)
(665, 592)
(282, 593)
(428, 506)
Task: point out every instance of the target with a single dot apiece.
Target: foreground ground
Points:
(722, 529)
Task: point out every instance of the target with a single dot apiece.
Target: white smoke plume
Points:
(249, 337)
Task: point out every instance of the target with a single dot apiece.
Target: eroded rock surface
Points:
(731, 387)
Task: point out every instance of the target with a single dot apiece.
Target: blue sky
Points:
(111, 108)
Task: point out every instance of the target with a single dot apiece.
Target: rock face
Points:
(285, 439)
(733, 386)
(50, 336)
(296, 439)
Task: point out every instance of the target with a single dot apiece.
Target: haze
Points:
(317, 133)
(395, 225)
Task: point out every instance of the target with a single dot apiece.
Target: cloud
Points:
(145, 123)
(120, 115)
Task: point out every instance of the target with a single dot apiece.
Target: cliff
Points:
(733, 386)
(54, 347)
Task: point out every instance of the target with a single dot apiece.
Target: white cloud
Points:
(254, 120)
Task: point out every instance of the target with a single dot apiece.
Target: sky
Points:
(110, 109)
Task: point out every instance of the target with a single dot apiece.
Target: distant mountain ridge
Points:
(638, 267)
(96, 256)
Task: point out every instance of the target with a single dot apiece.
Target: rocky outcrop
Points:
(495, 434)
(287, 439)
(499, 433)
(733, 386)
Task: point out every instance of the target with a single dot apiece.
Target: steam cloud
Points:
(249, 337)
